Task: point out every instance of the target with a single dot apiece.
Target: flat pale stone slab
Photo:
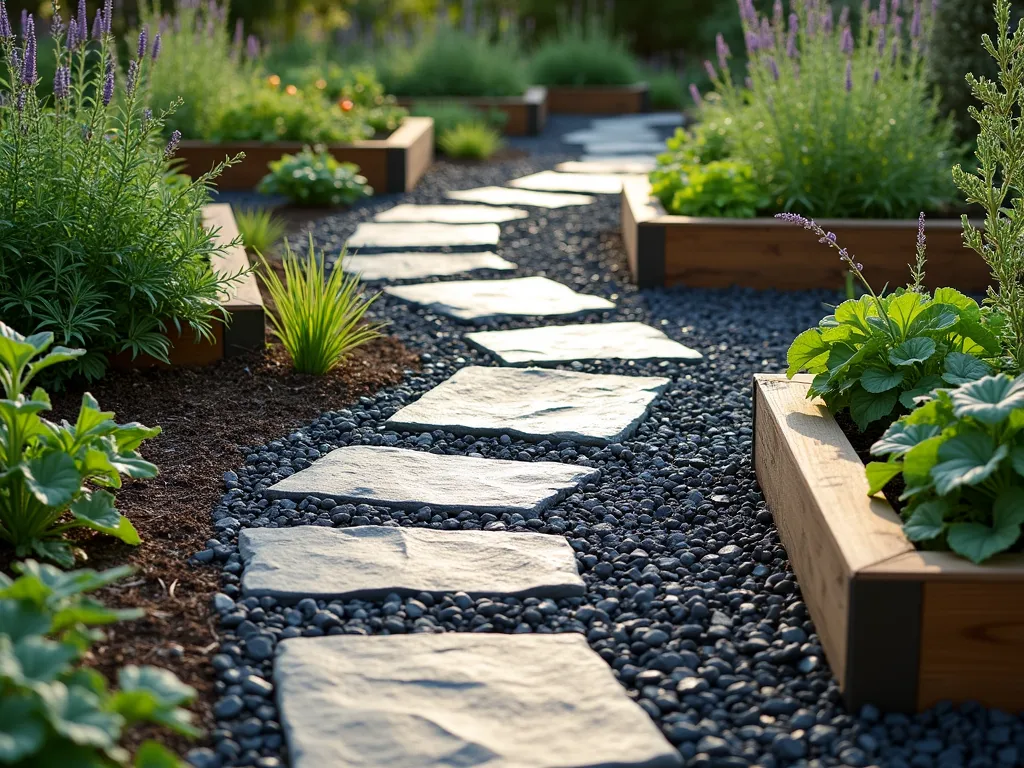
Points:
(451, 214)
(651, 120)
(589, 183)
(420, 264)
(533, 404)
(369, 562)
(626, 132)
(378, 235)
(509, 196)
(459, 699)
(646, 158)
(629, 166)
(556, 344)
(407, 479)
(624, 147)
(484, 300)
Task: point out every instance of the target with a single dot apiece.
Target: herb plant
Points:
(260, 229)
(584, 53)
(877, 354)
(719, 188)
(55, 712)
(470, 141)
(356, 90)
(961, 456)
(53, 476)
(313, 177)
(449, 115)
(100, 242)
(318, 317)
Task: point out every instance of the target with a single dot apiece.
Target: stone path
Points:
(588, 183)
(429, 235)
(507, 196)
(625, 165)
(451, 214)
(454, 699)
(417, 265)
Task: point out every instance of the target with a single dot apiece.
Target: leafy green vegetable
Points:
(55, 713)
(314, 177)
(961, 455)
(53, 476)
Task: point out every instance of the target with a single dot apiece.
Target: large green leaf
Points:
(967, 459)
(97, 510)
(879, 474)
(977, 339)
(855, 313)
(927, 521)
(961, 368)
(806, 351)
(22, 728)
(56, 355)
(990, 400)
(133, 465)
(902, 310)
(877, 380)
(41, 659)
(16, 350)
(925, 386)
(935, 318)
(919, 461)
(59, 552)
(52, 478)
(912, 351)
(92, 421)
(866, 407)
(1017, 459)
(130, 436)
(978, 542)
(966, 306)
(900, 437)
(154, 755)
(21, 619)
(164, 685)
(77, 715)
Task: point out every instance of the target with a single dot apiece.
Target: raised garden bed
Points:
(391, 165)
(246, 331)
(768, 253)
(902, 629)
(527, 114)
(599, 99)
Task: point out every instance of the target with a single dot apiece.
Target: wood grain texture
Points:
(973, 643)
(419, 149)
(638, 210)
(598, 100)
(814, 485)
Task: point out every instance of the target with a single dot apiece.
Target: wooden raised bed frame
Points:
(768, 253)
(391, 166)
(599, 99)
(527, 114)
(902, 629)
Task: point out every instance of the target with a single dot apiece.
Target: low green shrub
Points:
(318, 317)
(470, 141)
(449, 115)
(261, 230)
(56, 713)
(666, 91)
(450, 62)
(101, 243)
(355, 90)
(53, 476)
(719, 188)
(313, 177)
(584, 53)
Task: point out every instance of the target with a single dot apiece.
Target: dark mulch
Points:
(862, 442)
(209, 417)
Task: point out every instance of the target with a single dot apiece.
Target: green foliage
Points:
(53, 476)
(666, 91)
(451, 62)
(449, 115)
(100, 242)
(356, 90)
(720, 188)
(584, 53)
(318, 317)
(961, 456)
(998, 182)
(472, 141)
(55, 713)
(838, 122)
(261, 230)
(877, 354)
(313, 177)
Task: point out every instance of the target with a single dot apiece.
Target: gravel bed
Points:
(690, 597)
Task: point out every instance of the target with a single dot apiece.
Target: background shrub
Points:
(666, 90)
(449, 115)
(356, 85)
(471, 141)
(584, 53)
(313, 177)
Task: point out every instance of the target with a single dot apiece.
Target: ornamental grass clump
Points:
(836, 120)
(318, 318)
(470, 141)
(101, 243)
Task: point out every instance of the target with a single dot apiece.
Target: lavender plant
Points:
(100, 243)
(837, 121)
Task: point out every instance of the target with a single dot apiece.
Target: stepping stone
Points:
(487, 300)
(533, 404)
(625, 147)
(628, 132)
(451, 214)
(567, 343)
(648, 159)
(591, 183)
(460, 699)
(408, 479)
(417, 265)
(651, 120)
(630, 166)
(377, 235)
(369, 562)
(507, 196)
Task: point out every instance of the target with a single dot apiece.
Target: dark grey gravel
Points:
(690, 598)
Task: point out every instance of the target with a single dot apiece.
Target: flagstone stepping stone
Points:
(556, 344)
(651, 120)
(420, 264)
(590, 183)
(377, 235)
(369, 562)
(487, 300)
(413, 479)
(646, 158)
(624, 147)
(508, 196)
(451, 214)
(630, 166)
(533, 404)
(460, 699)
(629, 132)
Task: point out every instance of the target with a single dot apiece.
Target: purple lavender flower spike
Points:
(28, 69)
(62, 83)
(16, 64)
(108, 16)
(143, 43)
(710, 69)
(108, 84)
(777, 13)
(828, 21)
(5, 22)
(253, 47)
(767, 35)
(56, 26)
(878, 75)
(83, 12)
(72, 39)
(695, 95)
(873, 19)
(722, 49)
(894, 7)
(747, 12)
(846, 46)
(172, 145)
(897, 26)
(881, 40)
(97, 25)
(883, 13)
(773, 67)
(20, 104)
(753, 42)
(921, 240)
(157, 42)
(849, 75)
(791, 44)
(133, 76)
(915, 21)
(24, 20)
(844, 17)
(147, 115)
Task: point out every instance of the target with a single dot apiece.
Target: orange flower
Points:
(321, 84)
(274, 80)
(346, 105)
(291, 90)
